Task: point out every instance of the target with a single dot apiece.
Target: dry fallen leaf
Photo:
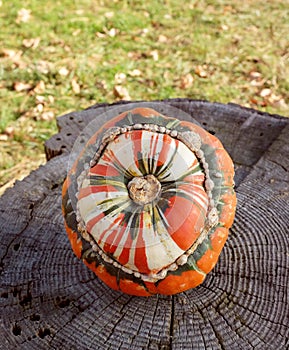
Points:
(31, 43)
(75, 86)
(109, 14)
(121, 92)
(51, 99)
(224, 27)
(9, 130)
(265, 92)
(186, 81)
(100, 35)
(47, 116)
(76, 32)
(14, 56)
(40, 99)
(201, 72)
(39, 108)
(134, 55)
(20, 86)
(135, 73)
(23, 15)
(3, 137)
(102, 85)
(40, 87)
(256, 79)
(120, 78)
(63, 71)
(155, 55)
(143, 32)
(43, 66)
(111, 32)
(162, 39)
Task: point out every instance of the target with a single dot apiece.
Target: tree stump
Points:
(51, 300)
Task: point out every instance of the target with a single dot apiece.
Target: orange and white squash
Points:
(154, 204)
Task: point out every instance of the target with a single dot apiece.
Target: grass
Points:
(60, 56)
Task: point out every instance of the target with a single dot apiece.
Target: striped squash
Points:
(154, 203)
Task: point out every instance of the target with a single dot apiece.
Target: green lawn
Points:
(61, 56)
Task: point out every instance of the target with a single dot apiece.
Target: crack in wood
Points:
(172, 322)
(30, 216)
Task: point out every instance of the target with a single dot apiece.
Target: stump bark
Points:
(50, 300)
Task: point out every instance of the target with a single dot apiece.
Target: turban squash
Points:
(155, 201)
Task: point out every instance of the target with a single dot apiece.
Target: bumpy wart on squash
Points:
(154, 204)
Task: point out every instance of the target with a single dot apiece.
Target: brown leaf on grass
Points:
(265, 92)
(51, 99)
(40, 87)
(162, 39)
(135, 73)
(63, 71)
(39, 99)
(39, 108)
(228, 9)
(112, 32)
(121, 92)
(224, 27)
(76, 32)
(255, 75)
(201, 71)
(23, 15)
(20, 86)
(109, 14)
(14, 56)
(134, 55)
(143, 32)
(100, 35)
(256, 78)
(102, 85)
(278, 102)
(155, 55)
(75, 86)
(43, 67)
(186, 81)
(3, 137)
(120, 78)
(31, 43)
(47, 116)
(9, 131)
(258, 102)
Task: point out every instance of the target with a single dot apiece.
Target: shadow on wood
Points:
(50, 300)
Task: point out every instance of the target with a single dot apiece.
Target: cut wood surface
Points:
(51, 300)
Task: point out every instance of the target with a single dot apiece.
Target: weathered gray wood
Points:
(50, 300)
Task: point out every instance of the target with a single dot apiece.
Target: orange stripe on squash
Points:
(75, 241)
(173, 284)
(185, 221)
(133, 288)
(227, 214)
(151, 287)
